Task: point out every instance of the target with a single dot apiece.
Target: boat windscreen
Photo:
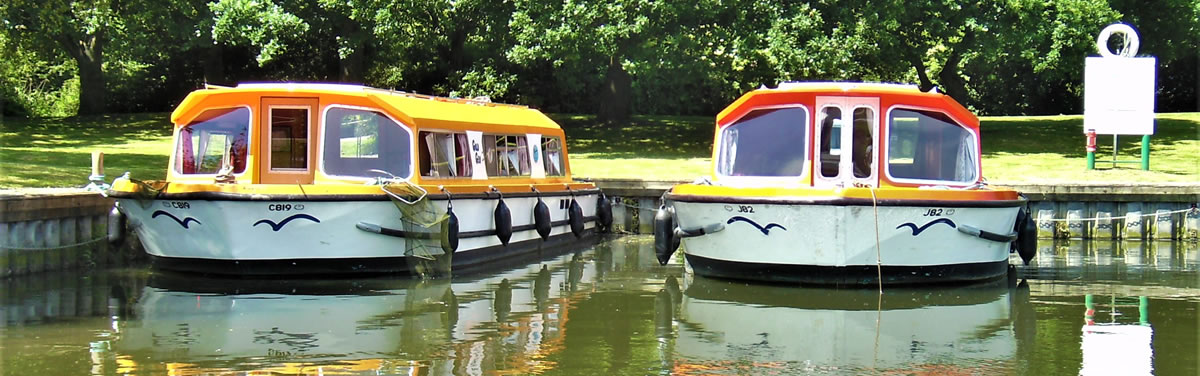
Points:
(215, 139)
(358, 141)
(928, 145)
(765, 142)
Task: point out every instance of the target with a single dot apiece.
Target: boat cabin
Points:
(338, 134)
(847, 134)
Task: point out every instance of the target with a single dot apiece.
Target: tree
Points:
(445, 47)
(594, 37)
(80, 29)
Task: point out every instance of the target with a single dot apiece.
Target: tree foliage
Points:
(612, 58)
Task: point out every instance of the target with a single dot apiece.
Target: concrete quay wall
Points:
(46, 230)
(1127, 211)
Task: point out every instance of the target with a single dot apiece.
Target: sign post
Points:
(1118, 95)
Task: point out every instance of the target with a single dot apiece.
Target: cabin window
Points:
(552, 160)
(289, 138)
(928, 145)
(863, 136)
(831, 140)
(448, 155)
(215, 139)
(358, 141)
(507, 155)
(765, 142)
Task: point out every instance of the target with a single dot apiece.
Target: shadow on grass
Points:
(660, 137)
(84, 131)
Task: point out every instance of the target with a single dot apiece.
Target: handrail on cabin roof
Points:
(480, 101)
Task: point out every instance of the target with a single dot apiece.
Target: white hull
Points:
(292, 230)
(906, 239)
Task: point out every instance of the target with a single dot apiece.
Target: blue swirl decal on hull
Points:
(185, 222)
(766, 230)
(917, 230)
(277, 226)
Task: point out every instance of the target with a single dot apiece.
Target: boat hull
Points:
(845, 242)
(263, 236)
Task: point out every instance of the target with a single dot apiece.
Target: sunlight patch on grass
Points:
(591, 166)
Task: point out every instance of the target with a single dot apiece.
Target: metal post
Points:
(1143, 310)
(1115, 151)
(1146, 153)
(1091, 149)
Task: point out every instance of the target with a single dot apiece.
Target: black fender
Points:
(541, 219)
(665, 241)
(575, 218)
(604, 213)
(450, 231)
(1026, 230)
(503, 218)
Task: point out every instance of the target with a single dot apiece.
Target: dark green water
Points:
(1080, 308)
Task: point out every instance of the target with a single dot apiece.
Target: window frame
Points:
(321, 147)
(807, 151)
(487, 152)
(887, 152)
(249, 141)
(562, 155)
(269, 130)
(453, 136)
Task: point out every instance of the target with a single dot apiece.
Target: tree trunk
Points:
(351, 68)
(952, 83)
(925, 84)
(214, 64)
(615, 95)
(88, 53)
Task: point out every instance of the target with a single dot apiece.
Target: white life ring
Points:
(1131, 40)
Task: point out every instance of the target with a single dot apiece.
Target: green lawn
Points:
(57, 152)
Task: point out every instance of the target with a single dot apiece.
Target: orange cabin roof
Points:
(806, 93)
(421, 111)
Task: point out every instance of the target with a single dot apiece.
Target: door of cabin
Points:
(847, 134)
(289, 141)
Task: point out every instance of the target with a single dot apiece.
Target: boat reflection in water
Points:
(187, 324)
(731, 327)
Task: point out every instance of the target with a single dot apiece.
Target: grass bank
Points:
(57, 152)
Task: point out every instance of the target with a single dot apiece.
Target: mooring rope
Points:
(85, 242)
(1194, 210)
(878, 251)
(879, 274)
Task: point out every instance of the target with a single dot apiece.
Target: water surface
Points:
(609, 308)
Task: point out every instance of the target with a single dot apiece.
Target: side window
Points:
(928, 145)
(215, 139)
(766, 142)
(447, 155)
(506, 155)
(552, 156)
(358, 141)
